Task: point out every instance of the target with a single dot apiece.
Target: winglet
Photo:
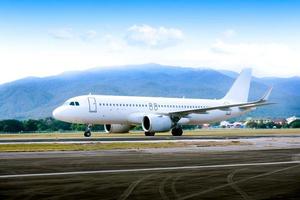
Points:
(267, 94)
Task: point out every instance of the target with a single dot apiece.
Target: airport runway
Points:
(146, 169)
(135, 174)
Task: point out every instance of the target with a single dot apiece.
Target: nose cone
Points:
(64, 113)
(57, 113)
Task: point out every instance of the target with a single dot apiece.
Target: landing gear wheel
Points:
(149, 133)
(177, 131)
(87, 134)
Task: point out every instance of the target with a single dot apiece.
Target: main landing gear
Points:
(88, 132)
(149, 133)
(177, 131)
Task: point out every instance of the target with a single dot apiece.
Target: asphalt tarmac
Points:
(138, 174)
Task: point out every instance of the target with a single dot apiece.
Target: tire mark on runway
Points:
(161, 188)
(173, 185)
(235, 186)
(131, 187)
(235, 182)
(179, 176)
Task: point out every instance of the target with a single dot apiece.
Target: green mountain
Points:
(36, 97)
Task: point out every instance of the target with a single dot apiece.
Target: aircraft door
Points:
(155, 106)
(92, 104)
(150, 106)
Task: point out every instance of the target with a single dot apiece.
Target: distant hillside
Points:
(37, 97)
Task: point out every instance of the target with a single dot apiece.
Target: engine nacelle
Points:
(116, 128)
(156, 123)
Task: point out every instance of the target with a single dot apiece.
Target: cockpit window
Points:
(76, 103)
(72, 103)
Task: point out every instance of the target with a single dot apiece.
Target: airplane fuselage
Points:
(104, 109)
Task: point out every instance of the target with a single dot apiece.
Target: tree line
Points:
(50, 125)
(295, 124)
(41, 125)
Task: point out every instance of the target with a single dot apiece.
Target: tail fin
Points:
(239, 91)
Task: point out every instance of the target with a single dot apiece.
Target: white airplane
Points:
(157, 114)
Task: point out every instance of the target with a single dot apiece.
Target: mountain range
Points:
(35, 97)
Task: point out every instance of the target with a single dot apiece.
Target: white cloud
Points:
(266, 59)
(149, 36)
(63, 33)
(89, 35)
(113, 44)
(229, 33)
(42, 59)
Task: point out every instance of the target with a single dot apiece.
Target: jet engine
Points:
(116, 128)
(156, 123)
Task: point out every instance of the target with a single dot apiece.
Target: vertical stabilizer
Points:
(239, 91)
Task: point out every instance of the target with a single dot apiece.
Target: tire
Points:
(87, 134)
(177, 131)
(149, 133)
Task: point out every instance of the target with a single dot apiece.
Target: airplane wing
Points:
(227, 107)
(255, 105)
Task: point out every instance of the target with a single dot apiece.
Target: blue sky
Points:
(40, 38)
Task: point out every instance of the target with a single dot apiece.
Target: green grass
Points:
(42, 147)
(201, 132)
(84, 147)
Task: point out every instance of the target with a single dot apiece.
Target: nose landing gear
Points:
(87, 132)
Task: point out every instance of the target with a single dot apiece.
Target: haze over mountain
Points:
(36, 97)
